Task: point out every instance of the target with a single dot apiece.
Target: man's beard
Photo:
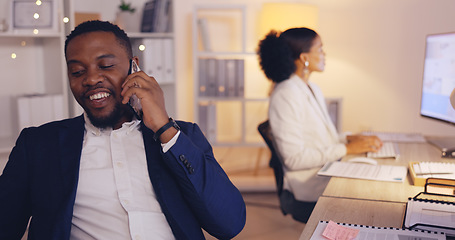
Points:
(108, 121)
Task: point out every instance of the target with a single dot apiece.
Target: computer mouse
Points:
(363, 160)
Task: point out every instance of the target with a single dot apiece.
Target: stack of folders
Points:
(330, 230)
(420, 171)
(37, 109)
(221, 77)
(156, 16)
(434, 209)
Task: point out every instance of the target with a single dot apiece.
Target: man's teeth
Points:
(99, 96)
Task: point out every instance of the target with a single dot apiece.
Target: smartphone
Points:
(135, 102)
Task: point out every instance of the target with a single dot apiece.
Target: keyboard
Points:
(388, 150)
(397, 137)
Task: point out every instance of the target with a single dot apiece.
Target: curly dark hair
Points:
(103, 26)
(277, 52)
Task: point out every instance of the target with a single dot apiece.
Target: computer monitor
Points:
(439, 82)
(439, 77)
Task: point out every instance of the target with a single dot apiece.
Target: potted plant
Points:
(126, 7)
(126, 17)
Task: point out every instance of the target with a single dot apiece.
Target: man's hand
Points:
(151, 98)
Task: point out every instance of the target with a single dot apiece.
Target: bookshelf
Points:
(227, 105)
(32, 66)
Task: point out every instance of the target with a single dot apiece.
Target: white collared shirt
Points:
(115, 198)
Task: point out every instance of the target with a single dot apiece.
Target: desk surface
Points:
(355, 211)
(385, 191)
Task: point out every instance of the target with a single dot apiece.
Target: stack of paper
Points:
(364, 171)
(420, 171)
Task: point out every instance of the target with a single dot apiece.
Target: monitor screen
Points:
(439, 77)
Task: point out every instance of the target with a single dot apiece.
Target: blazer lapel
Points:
(70, 146)
(317, 104)
(154, 166)
(311, 98)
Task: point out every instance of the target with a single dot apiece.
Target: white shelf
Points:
(227, 119)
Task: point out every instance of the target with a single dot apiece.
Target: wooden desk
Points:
(366, 202)
(385, 191)
(355, 211)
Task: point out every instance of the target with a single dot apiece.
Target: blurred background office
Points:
(374, 64)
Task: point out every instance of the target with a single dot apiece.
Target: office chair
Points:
(299, 210)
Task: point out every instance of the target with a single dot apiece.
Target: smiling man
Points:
(107, 174)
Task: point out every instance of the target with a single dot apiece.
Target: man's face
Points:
(97, 67)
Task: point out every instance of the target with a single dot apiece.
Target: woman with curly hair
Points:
(303, 133)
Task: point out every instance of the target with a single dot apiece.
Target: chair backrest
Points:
(299, 210)
(266, 133)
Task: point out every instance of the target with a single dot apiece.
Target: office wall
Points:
(375, 53)
(374, 49)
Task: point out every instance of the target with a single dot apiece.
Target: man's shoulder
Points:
(54, 125)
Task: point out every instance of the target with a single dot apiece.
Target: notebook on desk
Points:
(364, 232)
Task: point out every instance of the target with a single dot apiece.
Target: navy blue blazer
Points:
(41, 177)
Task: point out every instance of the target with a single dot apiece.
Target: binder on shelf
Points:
(221, 78)
(157, 59)
(202, 68)
(163, 15)
(420, 171)
(152, 58)
(231, 77)
(204, 36)
(34, 110)
(433, 210)
(371, 232)
(207, 120)
(168, 60)
(156, 16)
(148, 16)
(240, 70)
(166, 17)
(211, 76)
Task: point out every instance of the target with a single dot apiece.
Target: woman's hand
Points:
(362, 144)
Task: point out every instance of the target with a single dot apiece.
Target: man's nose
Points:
(93, 77)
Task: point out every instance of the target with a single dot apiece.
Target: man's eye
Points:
(106, 66)
(77, 73)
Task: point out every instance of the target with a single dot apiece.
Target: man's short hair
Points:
(101, 26)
